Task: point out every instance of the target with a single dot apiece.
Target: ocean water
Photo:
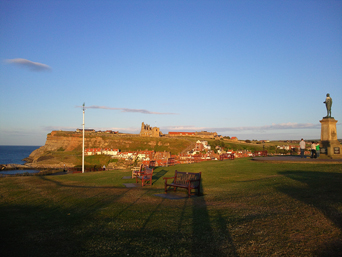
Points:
(15, 154)
(14, 172)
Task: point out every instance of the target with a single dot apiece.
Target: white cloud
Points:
(126, 110)
(34, 66)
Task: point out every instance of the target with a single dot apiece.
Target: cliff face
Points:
(67, 142)
(63, 147)
(56, 142)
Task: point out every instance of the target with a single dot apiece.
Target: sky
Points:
(257, 70)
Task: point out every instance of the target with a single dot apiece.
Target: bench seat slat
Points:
(181, 185)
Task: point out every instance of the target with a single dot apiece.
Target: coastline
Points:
(29, 166)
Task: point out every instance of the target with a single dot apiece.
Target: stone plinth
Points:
(329, 144)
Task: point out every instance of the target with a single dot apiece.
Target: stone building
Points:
(148, 131)
(202, 134)
(206, 134)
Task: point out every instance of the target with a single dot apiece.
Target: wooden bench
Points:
(145, 177)
(186, 180)
(136, 171)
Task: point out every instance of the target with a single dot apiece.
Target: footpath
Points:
(296, 159)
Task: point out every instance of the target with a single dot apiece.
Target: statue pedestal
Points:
(329, 144)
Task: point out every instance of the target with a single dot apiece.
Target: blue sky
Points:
(250, 69)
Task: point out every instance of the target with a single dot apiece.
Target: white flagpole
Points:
(83, 142)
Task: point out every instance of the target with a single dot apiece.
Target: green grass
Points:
(247, 209)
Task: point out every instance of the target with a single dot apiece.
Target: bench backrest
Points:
(148, 171)
(139, 168)
(182, 177)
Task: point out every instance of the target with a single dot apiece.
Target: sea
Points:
(14, 154)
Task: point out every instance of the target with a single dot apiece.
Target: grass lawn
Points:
(247, 209)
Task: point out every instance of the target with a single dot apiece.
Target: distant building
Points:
(148, 131)
(93, 151)
(99, 151)
(85, 130)
(179, 134)
(202, 134)
(202, 145)
(205, 134)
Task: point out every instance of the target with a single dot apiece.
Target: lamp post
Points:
(83, 142)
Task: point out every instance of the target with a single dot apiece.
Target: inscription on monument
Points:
(336, 150)
(323, 150)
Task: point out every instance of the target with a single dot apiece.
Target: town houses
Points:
(201, 152)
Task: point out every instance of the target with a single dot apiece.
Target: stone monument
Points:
(329, 144)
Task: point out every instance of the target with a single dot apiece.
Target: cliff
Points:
(65, 148)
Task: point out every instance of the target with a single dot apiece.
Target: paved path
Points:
(296, 159)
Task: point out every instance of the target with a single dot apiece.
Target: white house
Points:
(108, 151)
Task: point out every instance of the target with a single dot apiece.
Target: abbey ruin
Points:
(148, 131)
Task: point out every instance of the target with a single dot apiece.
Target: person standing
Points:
(302, 148)
(317, 150)
(313, 150)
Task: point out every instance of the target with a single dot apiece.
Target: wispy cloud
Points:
(33, 66)
(123, 130)
(126, 110)
(288, 125)
(281, 126)
(185, 128)
(63, 128)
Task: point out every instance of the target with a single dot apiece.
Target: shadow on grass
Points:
(105, 221)
(58, 183)
(43, 228)
(207, 242)
(323, 190)
(157, 176)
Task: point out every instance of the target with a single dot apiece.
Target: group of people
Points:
(315, 149)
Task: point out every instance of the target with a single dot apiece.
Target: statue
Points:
(328, 104)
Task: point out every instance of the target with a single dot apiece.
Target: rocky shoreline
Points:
(39, 166)
(28, 166)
